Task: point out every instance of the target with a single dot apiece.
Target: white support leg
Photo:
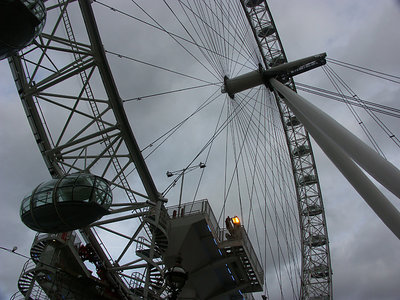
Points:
(337, 145)
(378, 167)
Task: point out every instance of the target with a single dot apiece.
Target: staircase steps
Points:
(138, 281)
(37, 250)
(159, 232)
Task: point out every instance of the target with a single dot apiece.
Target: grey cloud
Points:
(365, 256)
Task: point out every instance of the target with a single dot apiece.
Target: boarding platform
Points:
(220, 263)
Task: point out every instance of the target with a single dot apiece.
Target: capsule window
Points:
(82, 193)
(43, 194)
(64, 194)
(43, 198)
(26, 203)
(100, 184)
(99, 196)
(68, 181)
(107, 200)
(84, 181)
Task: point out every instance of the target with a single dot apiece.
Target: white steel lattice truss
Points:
(102, 143)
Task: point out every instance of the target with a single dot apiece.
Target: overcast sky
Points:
(365, 254)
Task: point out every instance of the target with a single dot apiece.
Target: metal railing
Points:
(197, 207)
(67, 237)
(27, 285)
(251, 254)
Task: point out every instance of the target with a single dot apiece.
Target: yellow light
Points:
(236, 220)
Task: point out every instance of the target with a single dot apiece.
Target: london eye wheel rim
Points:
(49, 151)
(260, 17)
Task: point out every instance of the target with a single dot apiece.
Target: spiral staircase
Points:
(158, 227)
(56, 271)
(35, 274)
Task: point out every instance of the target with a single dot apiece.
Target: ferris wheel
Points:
(211, 138)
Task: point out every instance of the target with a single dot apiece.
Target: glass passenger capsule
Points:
(292, 121)
(266, 31)
(315, 240)
(307, 179)
(301, 150)
(319, 271)
(312, 210)
(21, 22)
(253, 3)
(277, 60)
(68, 203)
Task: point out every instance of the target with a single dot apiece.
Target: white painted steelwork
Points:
(345, 150)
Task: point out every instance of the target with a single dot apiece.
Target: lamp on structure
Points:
(236, 221)
(176, 278)
(181, 173)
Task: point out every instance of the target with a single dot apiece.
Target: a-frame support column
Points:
(343, 149)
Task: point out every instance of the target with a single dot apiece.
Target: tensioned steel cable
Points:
(236, 12)
(380, 108)
(203, 34)
(274, 153)
(202, 38)
(378, 74)
(173, 37)
(244, 138)
(113, 9)
(333, 79)
(165, 136)
(209, 151)
(234, 111)
(253, 145)
(215, 38)
(213, 137)
(169, 92)
(279, 224)
(171, 131)
(377, 120)
(156, 66)
(209, 30)
(286, 209)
